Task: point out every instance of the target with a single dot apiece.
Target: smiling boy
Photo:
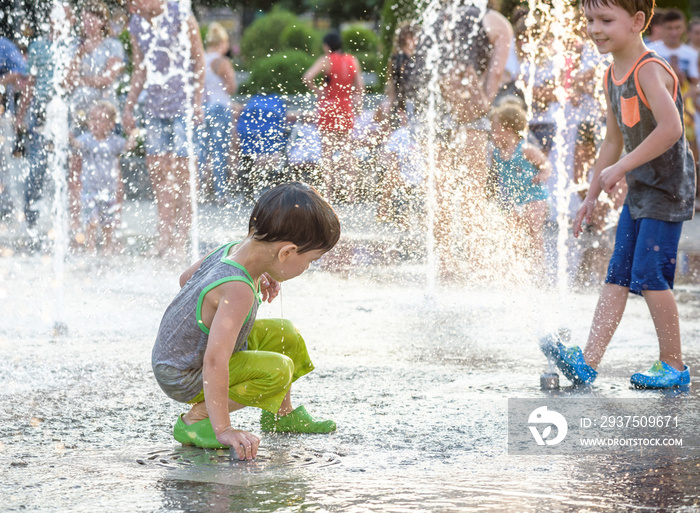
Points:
(645, 117)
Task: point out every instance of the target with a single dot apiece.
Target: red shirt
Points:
(335, 108)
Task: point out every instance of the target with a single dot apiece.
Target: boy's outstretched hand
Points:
(245, 444)
(269, 287)
(584, 215)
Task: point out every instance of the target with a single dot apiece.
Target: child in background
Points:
(101, 181)
(522, 170)
(212, 353)
(645, 117)
(403, 173)
(304, 150)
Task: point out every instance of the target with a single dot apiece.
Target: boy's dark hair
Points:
(673, 15)
(333, 42)
(631, 6)
(297, 213)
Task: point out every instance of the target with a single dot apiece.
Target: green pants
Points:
(261, 375)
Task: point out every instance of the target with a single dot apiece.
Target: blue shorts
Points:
(645, 252)
(166, 136)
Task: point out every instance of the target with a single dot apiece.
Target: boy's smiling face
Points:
(611, 27)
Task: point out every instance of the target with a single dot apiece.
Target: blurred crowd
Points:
(518, 105)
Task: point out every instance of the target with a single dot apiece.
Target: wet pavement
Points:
(418, 382)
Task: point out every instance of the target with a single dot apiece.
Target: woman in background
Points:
(340, 98)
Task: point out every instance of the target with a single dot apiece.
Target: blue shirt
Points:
(515, 177)
(11, 59)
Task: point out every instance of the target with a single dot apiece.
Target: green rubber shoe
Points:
(299, 421)
(200, 434)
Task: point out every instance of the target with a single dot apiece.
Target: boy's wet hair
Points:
(297, 213)
(631, 6)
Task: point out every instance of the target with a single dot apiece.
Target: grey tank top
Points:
(163, 50)
(178, 354)
(663, 188)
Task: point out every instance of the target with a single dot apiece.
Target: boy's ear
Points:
(639, 21)
(286, 250)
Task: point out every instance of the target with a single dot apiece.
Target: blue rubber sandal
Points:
(661, 375)
(569, 360)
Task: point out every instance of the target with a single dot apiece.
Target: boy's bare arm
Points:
(232, 301)
(657, 84)
(610, 151)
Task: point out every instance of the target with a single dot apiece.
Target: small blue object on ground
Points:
(569, 360)
(661, 375)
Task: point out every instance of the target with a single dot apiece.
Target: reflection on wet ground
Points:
(418, 385)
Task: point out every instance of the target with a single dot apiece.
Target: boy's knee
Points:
(289, 330)
(281, 374)
(289, 336)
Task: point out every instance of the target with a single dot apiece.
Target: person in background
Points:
(534, 45)
(474, 49)
(169, 70)
(694, 43)
(684, 61)
(522, 170)
(672, 48)
(219, 86)
(13, 73)
(339, 100)
(43, 54)
(404, 166)
(655, 29)
(399, 72)
(304, 149)
(102, 189)
(94, 75)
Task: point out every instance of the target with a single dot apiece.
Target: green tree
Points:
(279, 73)
(362, 43)
(301, 37)
(263, 37)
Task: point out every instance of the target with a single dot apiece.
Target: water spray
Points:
(56, 133)
(549, 379)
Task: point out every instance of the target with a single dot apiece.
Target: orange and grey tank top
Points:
(178, 354)
(663, 188)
